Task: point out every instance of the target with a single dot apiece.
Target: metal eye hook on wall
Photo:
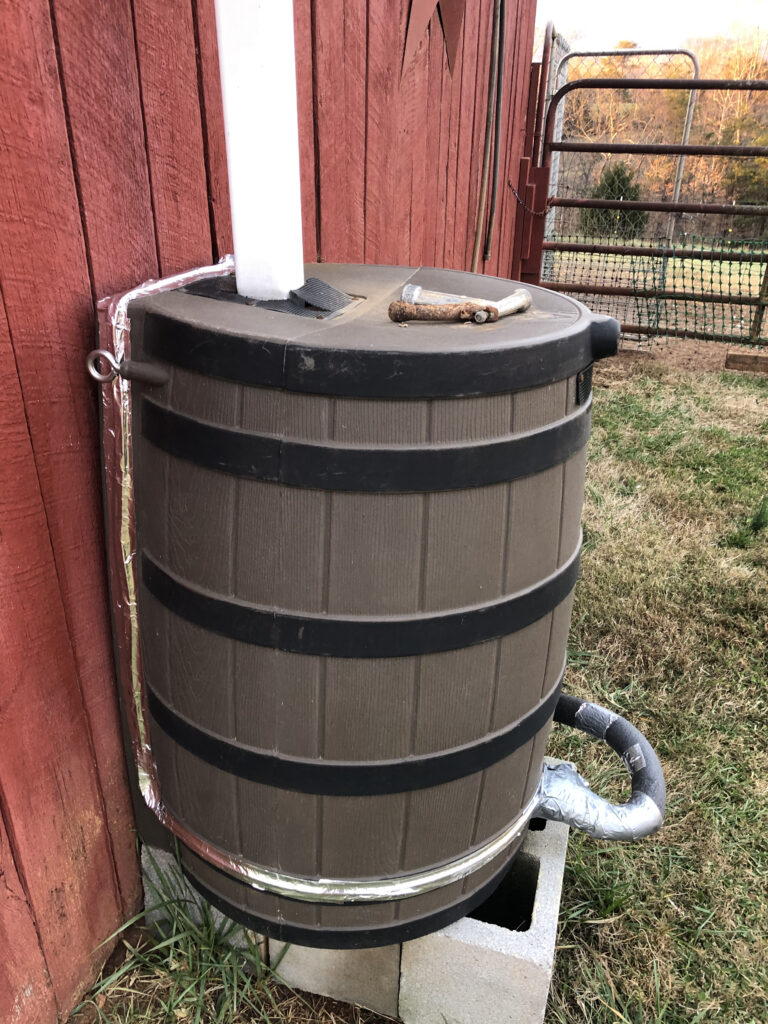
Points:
(128, 369)
(93, 361)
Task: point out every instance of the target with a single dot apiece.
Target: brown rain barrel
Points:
(357, 546)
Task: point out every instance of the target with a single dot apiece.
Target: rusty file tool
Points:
(417, 303)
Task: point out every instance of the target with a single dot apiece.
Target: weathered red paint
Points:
(174, 132)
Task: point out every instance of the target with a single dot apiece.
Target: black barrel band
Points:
(350, 778)
(330, 467)
(359, 636)
(320, 936)
(557, 353)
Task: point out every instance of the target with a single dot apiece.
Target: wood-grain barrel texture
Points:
(336, 555)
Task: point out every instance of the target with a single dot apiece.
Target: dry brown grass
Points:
(670, 629)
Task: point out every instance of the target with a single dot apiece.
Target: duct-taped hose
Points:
(565, 796)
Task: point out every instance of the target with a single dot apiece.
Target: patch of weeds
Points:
(595, 495)
(627, 487)
(194, 966)
(582, 660)
(737, 381)
(745, 535)
(589, 538)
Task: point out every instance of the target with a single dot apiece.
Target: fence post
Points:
(762, 302)
(535, 198)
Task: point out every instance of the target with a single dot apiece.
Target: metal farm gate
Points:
(629, 205)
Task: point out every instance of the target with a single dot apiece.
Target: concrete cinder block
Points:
(366, 977)
(479, 972)
(163, 880)
(494, 967)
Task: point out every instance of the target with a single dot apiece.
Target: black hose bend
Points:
(565, 796)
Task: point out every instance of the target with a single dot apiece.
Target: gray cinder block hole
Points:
(511, 905)
(493, 967)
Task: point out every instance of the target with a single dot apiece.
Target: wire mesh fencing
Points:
(700, 287)
(700, 271)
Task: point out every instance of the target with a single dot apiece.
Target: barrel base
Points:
(321, 937)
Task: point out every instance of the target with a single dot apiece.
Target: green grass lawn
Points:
(670, 629)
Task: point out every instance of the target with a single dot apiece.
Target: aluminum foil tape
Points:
(565, 796)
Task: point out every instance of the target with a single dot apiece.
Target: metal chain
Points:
(534, 213)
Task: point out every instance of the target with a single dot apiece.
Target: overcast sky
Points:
(652, 24)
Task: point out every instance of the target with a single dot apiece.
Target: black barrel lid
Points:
(360, 352)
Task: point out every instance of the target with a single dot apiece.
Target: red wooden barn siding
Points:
(113, 171)
(397, 159)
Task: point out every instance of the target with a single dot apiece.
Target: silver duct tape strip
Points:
(593, 719)
(115, 337)
(565, 796)
(375, 890)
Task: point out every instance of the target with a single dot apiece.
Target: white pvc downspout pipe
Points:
(258, 84)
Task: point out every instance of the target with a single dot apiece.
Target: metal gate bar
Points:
(654, 250)
(651, 293)
(663, 148)
(532, 196)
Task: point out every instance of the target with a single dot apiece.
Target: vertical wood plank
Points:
(26, 993)
(49, 300)
(484, 32)
(520, 27)
(450, 567)
(468, 129)
(212, 112)
(174, 134)
(340, 47)
(386, 32)
(93, 39)
(302, 20)
(453, 99)
(509, 102)
(520, 46)
(443, 154)
(201, 538)
(46, 755)
(422, 129)
(103, 110)
(409, 131)
(429, 201)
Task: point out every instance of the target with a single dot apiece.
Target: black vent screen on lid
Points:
(584, 384)
(314, 299)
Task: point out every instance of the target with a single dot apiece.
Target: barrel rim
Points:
(367, 374)
(488, 360)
